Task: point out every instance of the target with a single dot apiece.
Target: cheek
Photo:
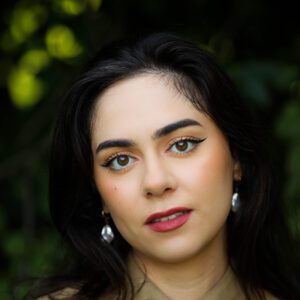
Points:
(216, 171)
(114, 193)
(109, 191)
(120, 201)
(211, 177)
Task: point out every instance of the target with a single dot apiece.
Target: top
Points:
(145, 289)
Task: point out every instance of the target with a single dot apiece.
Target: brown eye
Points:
(185, 145)
(123, 160)
(181, 145)
(119, 162)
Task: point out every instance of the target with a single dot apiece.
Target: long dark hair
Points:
(257, 234)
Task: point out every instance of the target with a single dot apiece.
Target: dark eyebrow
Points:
(114, 143)
(158, 134)
(174, 126)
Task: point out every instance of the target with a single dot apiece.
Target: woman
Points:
(160, 185)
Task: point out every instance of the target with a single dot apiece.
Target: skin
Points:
(156, 174)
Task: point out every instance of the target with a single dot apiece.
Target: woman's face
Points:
(164, 169)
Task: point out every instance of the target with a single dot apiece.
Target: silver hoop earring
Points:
(235, 201)
(106, 232)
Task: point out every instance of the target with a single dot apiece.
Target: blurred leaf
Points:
(25, 88)
(288, 124)
(288, 129)
(35, 60)
(4, 289)
(95, 4)
(26, 20)
(15, 244)
(61, 42)
(255, 79)
(69, 7)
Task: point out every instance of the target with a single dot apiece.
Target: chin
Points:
(175, 251)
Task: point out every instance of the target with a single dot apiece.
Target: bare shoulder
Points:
(60, 295)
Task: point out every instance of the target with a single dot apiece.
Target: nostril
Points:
(167, 190)
(157, 193)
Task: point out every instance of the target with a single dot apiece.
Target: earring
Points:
(106, 232)
(235, 201)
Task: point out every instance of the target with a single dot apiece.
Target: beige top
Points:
(226, 288)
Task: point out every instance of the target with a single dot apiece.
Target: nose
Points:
(158, 178)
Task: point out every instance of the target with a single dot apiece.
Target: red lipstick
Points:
(168, 220)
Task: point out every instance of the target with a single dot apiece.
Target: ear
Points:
(237, 171)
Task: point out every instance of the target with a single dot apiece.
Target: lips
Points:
(168, 220)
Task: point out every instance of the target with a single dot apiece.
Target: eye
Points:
(185, 145)
(119, 162)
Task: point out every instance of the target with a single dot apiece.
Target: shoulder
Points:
(65, 293)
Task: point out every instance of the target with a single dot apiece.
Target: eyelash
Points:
(195, 141)
(107, 163)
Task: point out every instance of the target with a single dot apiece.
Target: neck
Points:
(190, 278)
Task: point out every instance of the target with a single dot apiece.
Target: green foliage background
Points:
(44, 44)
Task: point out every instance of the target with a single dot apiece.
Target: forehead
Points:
(148, 101)
(142, 87)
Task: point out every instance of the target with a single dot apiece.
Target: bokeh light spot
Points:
(61, 42)
(25, 88)
(25, 21)
(95, 4)
(35, 60)
(70, 7)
